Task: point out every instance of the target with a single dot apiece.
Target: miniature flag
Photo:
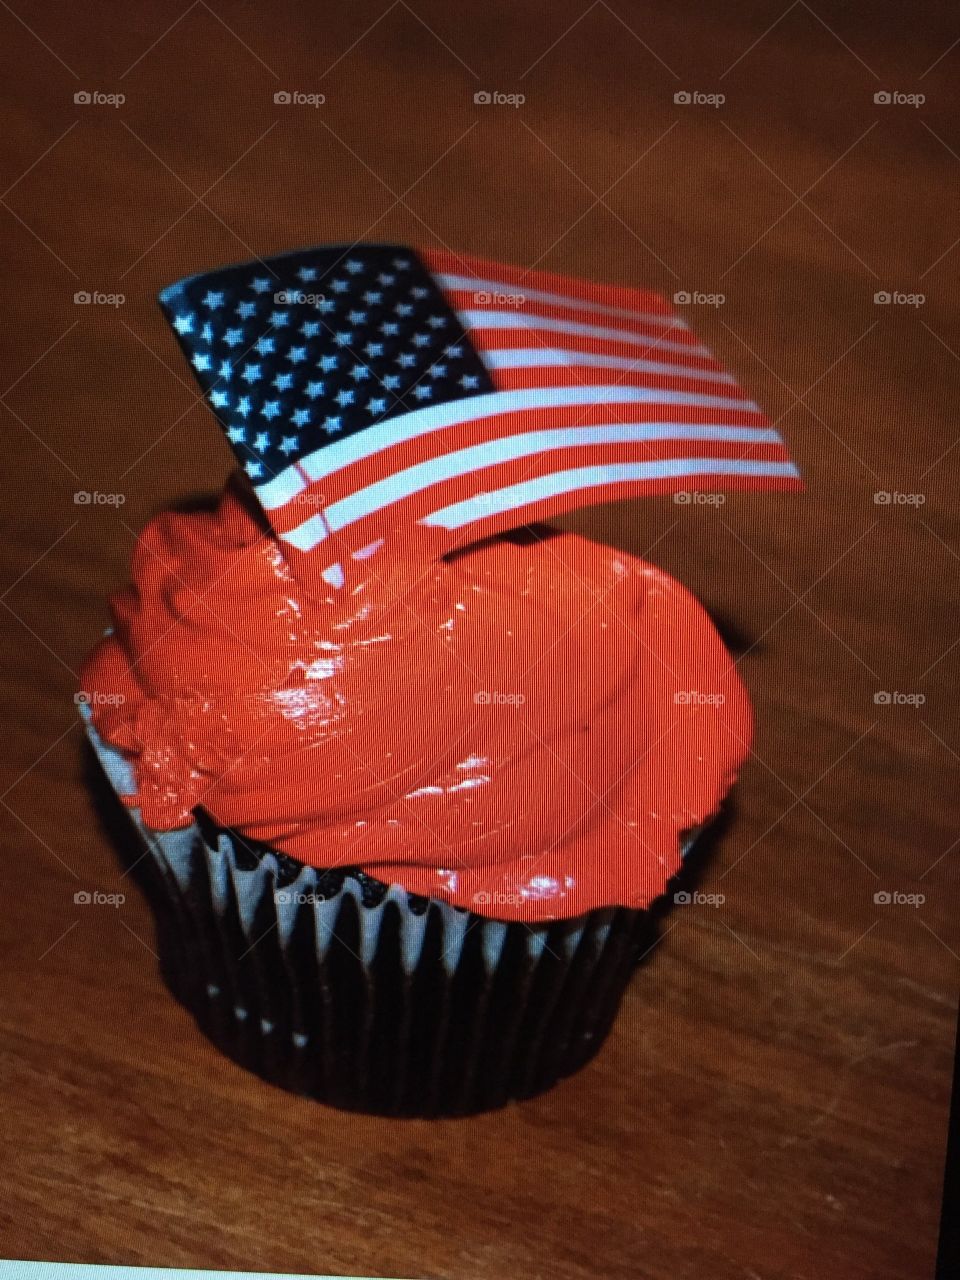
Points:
(367, 388)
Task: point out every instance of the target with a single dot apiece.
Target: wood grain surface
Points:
(773, 1101)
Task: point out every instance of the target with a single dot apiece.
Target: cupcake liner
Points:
(365, 996)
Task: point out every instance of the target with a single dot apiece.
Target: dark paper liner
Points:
(366, 997)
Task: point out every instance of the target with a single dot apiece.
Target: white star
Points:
(201, 361)
(243, 406)
(331, 423)
(438, 371)
(236, 435)
(353, 266)
(225, 371)
(359, 373)
(418, 292)
(469, 382)
(343, 339)
(377, 406)
(260, 285)
(436, 322)
(314, 389)
(212, 300)
(374, 349)
(384, 278)
(271, 410)
(339, 286)
(357, 317)
(283, 381)
(405, 360)
(233, 337)
(391, 382)
(344, 398)
(403, 309)
(453, 353)
(301, 417)
(401, 264)
(254, 469)
(219, 399)
(261, 441)
(264, 346)
(251, 373)
(288, 444)
(423, 393)
(325, 306)
(307, 273)
(373, 296)
(297, 354)
(389, 329)
(279, 318)
(310, 329)
(184, 323)
(246, 309)
(421, 339)
(329, 362)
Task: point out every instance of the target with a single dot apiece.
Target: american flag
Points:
(366, 388)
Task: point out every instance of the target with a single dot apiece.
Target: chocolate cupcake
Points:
(410, 782)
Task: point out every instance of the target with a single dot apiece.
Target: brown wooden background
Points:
(773, 1101)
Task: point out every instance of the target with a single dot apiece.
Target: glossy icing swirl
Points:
(521, 730)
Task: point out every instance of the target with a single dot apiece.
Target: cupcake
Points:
(411, 768)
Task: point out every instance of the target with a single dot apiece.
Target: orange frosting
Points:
(522, 730)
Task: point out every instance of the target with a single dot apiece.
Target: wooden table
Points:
(774, 1098)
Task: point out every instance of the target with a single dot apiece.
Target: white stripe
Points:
(475, 320)
(474, 283)
(409, 426)
(464, 462)
(520, 495)
(533, 357)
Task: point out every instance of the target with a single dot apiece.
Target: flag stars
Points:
(219, 399)
(314, 389)
(184, 323)
(243, 406)
(344, 398)
(201, 362)
(389, 329)
(306, 274)
(254, 470)
(206, 333)
(329, 362)
(401, 264)
(261, 441)
(288, 444)
(405, 360)
(325, 306)
(236, 435)
(310, 329)
(264, 346)
(422, 392)
(339, 286)
(391, 382)
(403, 309)
(359, 373)
(353, 266)
(357, 317)
(437, 371)
(300, 417)
(385, 278)
(296, 355)
(469, 382)
(332, 422)
(233, 337)
(374, 349)
(246, 310)
(372, 297)
(343, 339)
(213, 300)
(270, 410)
(453, 353)
(421, 339)
(260, 284)
(418, 292)
(251, 373)
(376, 406)
(283, 381)
(279, 319)
(225, 372)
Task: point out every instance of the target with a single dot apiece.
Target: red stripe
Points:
(609, 295)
